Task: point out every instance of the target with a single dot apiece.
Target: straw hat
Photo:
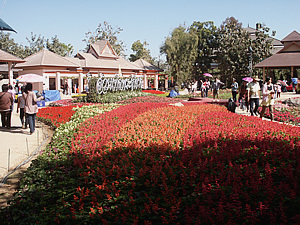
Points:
(255, 78)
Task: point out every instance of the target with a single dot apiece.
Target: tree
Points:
(233, 53)
(206, 45)
(59, 48)
(106, 32)
(262, 44)
(9, 45)
(160, 63)
(36, 43)
(140, 52)
(181, 51)
(236, 49)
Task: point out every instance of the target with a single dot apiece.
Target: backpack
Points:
(231, 105)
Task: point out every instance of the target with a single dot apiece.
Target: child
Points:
(278, 88)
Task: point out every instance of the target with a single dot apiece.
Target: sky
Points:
(150, 21)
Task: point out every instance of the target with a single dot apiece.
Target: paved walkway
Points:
(17, 144)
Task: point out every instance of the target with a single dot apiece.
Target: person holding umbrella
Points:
(206, 85)
(243, 96)
(31, 107)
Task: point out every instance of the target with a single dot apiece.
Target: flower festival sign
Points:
(113, 83)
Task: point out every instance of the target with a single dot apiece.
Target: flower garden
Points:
(147, 160)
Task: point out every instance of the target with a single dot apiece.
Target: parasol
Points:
(207, 75)
(247, 79)
(5, 26)
(30, 78)
(282, 82)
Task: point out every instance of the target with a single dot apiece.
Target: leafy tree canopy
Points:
(140, 52)
(59, 48)
(36, 43)
(206, 45)
(106, 32)
(237, 51)
(181, 51)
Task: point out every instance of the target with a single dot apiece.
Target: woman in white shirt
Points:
(268, 97)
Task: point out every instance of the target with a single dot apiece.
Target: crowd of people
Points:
(247, 94)
(27, 106)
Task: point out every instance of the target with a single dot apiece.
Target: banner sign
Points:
(105, 83)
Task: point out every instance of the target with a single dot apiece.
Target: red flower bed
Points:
(153, 92)
(56, 115)
(96, 131)
(149, 99)
(197, 164)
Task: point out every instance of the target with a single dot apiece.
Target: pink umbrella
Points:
(247, 79)
(207, 75)
(282, 82)
(30, 78)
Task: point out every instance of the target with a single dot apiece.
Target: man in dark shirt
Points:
(6, 101)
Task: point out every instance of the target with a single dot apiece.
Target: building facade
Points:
(99, 58)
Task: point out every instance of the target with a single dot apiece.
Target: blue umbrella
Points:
(5, 26)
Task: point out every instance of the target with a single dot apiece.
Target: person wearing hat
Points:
(253, 89)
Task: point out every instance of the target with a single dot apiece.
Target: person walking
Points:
(294, 83)
(13, 93)
(234, 89)
(268, 97)
(243, 96)
(21, 106)
(6, 101)
(277, 89)
(216, 87)
(253, 89)
(206, 85)
(31, 107)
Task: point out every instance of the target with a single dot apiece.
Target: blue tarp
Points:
(51, 95)
(173, 93)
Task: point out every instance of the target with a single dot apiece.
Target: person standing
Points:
(21, 105)
(253, 89)
(66, 88)
(6, 101)
(268, 98)
(31, 107)
(234, 89)
(278, 90)
(216, 87)
(294, 83)
(243, 96)
(206, 85)
(13, 93)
